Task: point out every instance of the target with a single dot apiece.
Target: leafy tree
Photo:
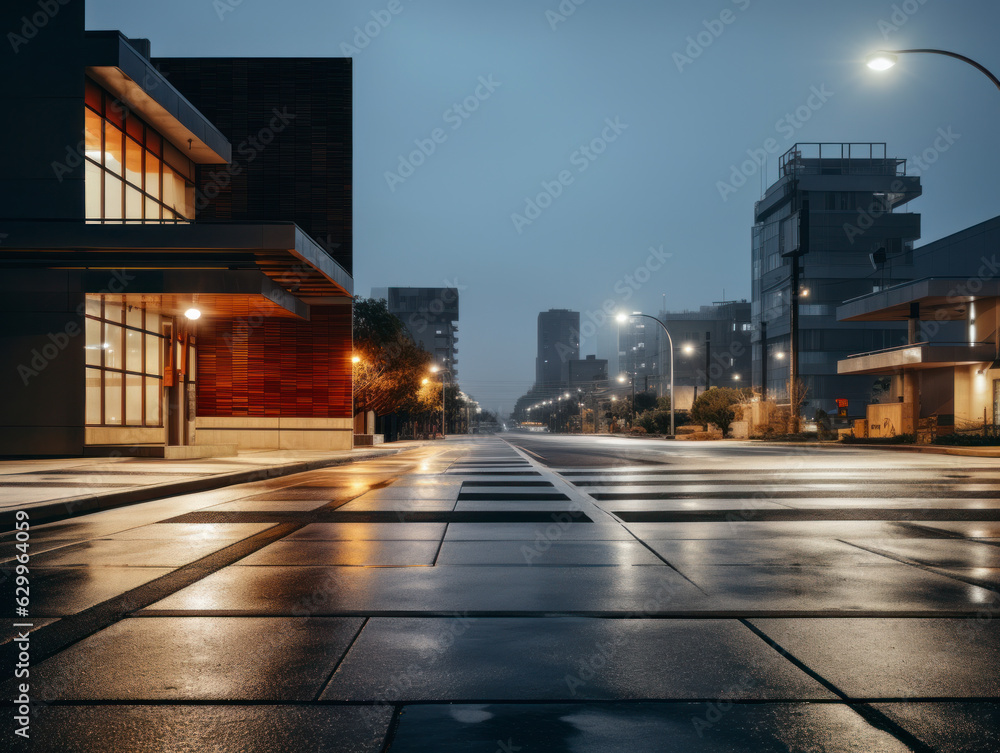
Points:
(390, 368)
(716, 406)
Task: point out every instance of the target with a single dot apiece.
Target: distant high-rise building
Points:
(431, 317)
(726, 329)
(857, 242)
(639, 352)
(558, 343)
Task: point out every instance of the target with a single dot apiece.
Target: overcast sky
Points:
(630, 118)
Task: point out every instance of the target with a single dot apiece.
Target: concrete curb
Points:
(70, 507)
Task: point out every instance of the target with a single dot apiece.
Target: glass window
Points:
(133, 162)
(94, 344)
(152, 209)
(92, 132)
(133, 400)
(153, 347)
(152, 186)
(112, 398)
(133, 203)
(113, 157)
(113, 311)
(114, 110)
(188, 208)
(93, 306)
(133, 127)
(152, 321)
(133, 350)
(93, 412)
(112, 197)
(177, 160)
(173, 188)
(133, 316)
(113, 351)
(153, 142)
(92, 189)
(153, 402)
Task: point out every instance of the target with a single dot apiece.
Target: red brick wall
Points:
(276, 367)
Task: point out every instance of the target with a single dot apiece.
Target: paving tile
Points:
(785, 552)
(198, 658)
(208, 729)
(369, 532)
(537, 532)
(846, 587)
(953, 727)
(8, 632)
(429, 491)
(939, 552)
(128, 553)
(517, 505)
(357, 590)
(56, 592)
(193, 531)
(638, 728)
(563, 658)
(364, 504)
(896, 657)
(260, 505)
(742, 526)
(9, 551)
(560, 553)
(979, 530)
(356, 553)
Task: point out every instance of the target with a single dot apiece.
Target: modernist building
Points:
(130, 320)
(587, 374)
(430, 315)
(834, 208)
(558, 343)
(713, 341)
(949, 367)
(641, 353)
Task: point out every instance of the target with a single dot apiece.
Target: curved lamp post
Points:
(670, 342)
(442, 372)
(883, 60)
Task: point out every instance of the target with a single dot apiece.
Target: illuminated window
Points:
(124, 381)
(132, 174)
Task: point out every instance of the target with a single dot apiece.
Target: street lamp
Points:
(442, 372)
(883, 60)
(670, 342)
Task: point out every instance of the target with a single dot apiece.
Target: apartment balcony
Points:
(918, 356)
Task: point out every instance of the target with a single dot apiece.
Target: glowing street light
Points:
(623, 317)
(883, 60)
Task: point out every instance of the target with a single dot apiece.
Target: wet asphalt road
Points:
(542, 593)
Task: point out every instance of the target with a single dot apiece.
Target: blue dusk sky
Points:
(534, 154)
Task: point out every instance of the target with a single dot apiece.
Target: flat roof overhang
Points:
(215, 293)
(126, 73)
(282, 251)
(917, 357)
(939, 298)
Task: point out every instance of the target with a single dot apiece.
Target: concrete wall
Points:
(252, 433)
(42, 378)
(42, 92)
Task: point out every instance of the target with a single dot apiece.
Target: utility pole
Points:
(708, 360)
(793, 317)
